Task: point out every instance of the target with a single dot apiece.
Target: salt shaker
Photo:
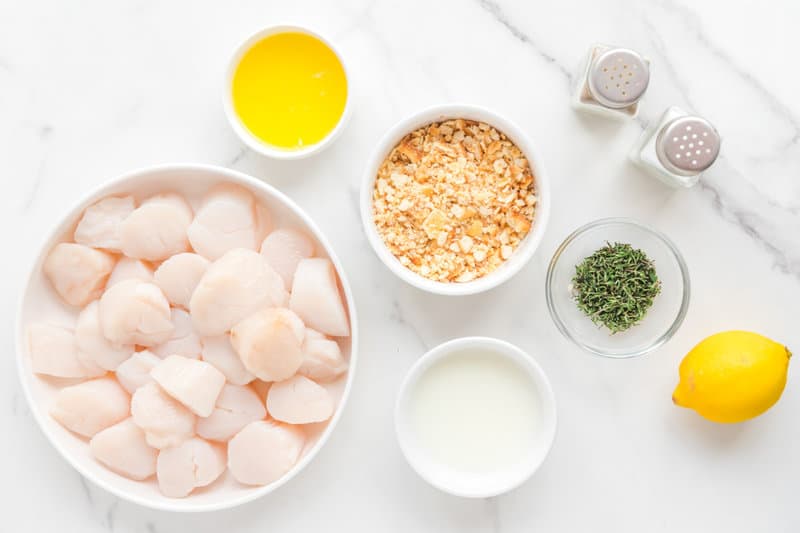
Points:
(612, 82)
(678, 148)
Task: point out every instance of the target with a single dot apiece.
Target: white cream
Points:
(475, 411)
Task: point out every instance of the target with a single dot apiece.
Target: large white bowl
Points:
(39, 302)
(528, 245)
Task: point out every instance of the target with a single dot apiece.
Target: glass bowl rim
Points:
(685, 297)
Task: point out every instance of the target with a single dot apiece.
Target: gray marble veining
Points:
(90, 90)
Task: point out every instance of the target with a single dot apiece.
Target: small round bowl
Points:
(39, 301)
(661, 321)
(467, 484)
(526, 248)
(244, 133)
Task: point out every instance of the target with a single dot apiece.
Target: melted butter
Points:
(290, 90)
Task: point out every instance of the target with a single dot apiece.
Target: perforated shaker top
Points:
(687, 145)
(618, 77)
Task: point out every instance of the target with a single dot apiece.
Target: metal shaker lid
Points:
(618, 77)
(687, 145)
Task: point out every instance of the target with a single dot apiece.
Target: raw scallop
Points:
(196, 384)
(236, 407)
(261, 389)
(179, 275)
(99, 225)
(135, 371)
(322, 357)
(135, 312)
(229, 218)
(235, 286)
(78, 273)
(183, 341)
(316, 299)
(157, 228)
(54, 352)
(123, 449)
(94, 345)
(165, 421)
(283, 249)
(219, 352)
(264, 451)
(269, 343)
(193, 463)
(128, 268)
(91, 406)
(298, 400)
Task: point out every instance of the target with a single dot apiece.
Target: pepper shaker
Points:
(612, 82)
(678, 148)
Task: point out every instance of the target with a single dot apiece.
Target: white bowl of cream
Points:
(475, 417)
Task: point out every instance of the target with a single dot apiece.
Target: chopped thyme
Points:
(616, 286)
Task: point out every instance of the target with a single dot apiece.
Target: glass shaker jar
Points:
(678, 148)
(611, 82)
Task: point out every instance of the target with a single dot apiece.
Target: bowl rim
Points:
(235, 176)
(244, 134)
(500, 347)
(685, 284)
(530, 243)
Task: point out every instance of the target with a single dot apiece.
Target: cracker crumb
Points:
(454, 199)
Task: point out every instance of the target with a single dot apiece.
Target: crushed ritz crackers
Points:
(453, 200)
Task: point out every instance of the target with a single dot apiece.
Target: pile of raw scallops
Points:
(203, 341)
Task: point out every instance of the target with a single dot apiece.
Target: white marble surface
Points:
(89, 89)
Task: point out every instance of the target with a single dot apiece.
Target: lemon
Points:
(732, 376)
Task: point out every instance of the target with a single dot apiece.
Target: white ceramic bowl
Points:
(39, 302)
(470, 485)
(238, 126)
(528, 245)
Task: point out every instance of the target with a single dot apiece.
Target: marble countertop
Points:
(90, 89)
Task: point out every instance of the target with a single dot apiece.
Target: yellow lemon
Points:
(732, 376)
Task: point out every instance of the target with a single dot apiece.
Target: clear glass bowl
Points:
(661, 321)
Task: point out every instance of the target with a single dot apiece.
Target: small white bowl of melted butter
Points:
(475, 417)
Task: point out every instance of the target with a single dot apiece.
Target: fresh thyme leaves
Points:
(615, 286)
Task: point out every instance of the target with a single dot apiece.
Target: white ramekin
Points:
(460, 483)
(238, 126)
(528, 245)
(38, 301)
